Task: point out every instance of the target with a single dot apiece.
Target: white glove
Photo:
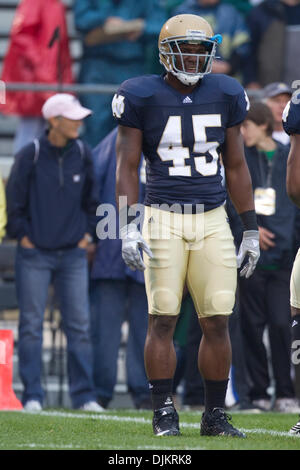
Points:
(250, 247)
(132, 240)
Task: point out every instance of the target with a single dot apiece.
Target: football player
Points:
(291, 125)
(184, 121)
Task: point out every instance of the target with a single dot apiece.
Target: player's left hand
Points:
(250, 247)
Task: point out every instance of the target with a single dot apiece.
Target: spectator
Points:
(239, 374)
(115, 34)
(225, 19)
(3, 216)
(264, 298)
(276, 96)
(51, 211)
(275, 43)
(38, 53)
(117, 295)
(243, 6)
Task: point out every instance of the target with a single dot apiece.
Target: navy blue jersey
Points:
(291, 118)
(183, 135)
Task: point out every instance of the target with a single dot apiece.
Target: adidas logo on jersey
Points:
(294, 323)
(187, 99)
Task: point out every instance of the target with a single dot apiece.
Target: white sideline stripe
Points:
(270, 432)
(169, 448)
(130, 419)
(50, 446)
(71, 446)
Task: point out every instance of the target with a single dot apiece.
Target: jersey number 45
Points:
(171, 148)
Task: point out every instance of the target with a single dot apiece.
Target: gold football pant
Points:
(196, 249)
(295, 283)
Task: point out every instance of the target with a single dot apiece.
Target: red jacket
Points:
(30, 57)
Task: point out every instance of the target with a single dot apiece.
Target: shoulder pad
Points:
(229, 85)
(141, 87)
(291, 117)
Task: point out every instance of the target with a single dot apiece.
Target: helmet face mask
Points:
(176, 57)
(189, 54)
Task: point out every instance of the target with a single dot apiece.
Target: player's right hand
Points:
(132, 242)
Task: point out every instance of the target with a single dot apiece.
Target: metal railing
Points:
(62, 87)
(83, 88)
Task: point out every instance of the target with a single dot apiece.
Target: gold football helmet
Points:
(187, 29)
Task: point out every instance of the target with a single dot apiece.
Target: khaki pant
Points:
(195, 249)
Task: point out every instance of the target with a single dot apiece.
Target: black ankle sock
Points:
(215, 393)
(161, 393)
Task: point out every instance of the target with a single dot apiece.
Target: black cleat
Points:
(295, 430)
(166, 422)
(215, 423)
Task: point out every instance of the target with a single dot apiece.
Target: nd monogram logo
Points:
(118, 105)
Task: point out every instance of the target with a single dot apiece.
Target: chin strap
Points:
(188, 80)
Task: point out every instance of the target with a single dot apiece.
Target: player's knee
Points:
(222, 302)
(163, 326)
(215, 328)
(165, 302)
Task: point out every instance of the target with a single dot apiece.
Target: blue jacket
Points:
(108, 262)
(52, 199)
(282, 223)
(90, 14)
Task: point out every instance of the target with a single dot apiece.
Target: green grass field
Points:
(118, 430)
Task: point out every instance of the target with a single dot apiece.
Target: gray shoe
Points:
(33, 405)
(263, 404)
(286, 405)
(92, 406)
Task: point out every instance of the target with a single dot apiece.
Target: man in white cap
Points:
(52, 203)
(64, 114)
